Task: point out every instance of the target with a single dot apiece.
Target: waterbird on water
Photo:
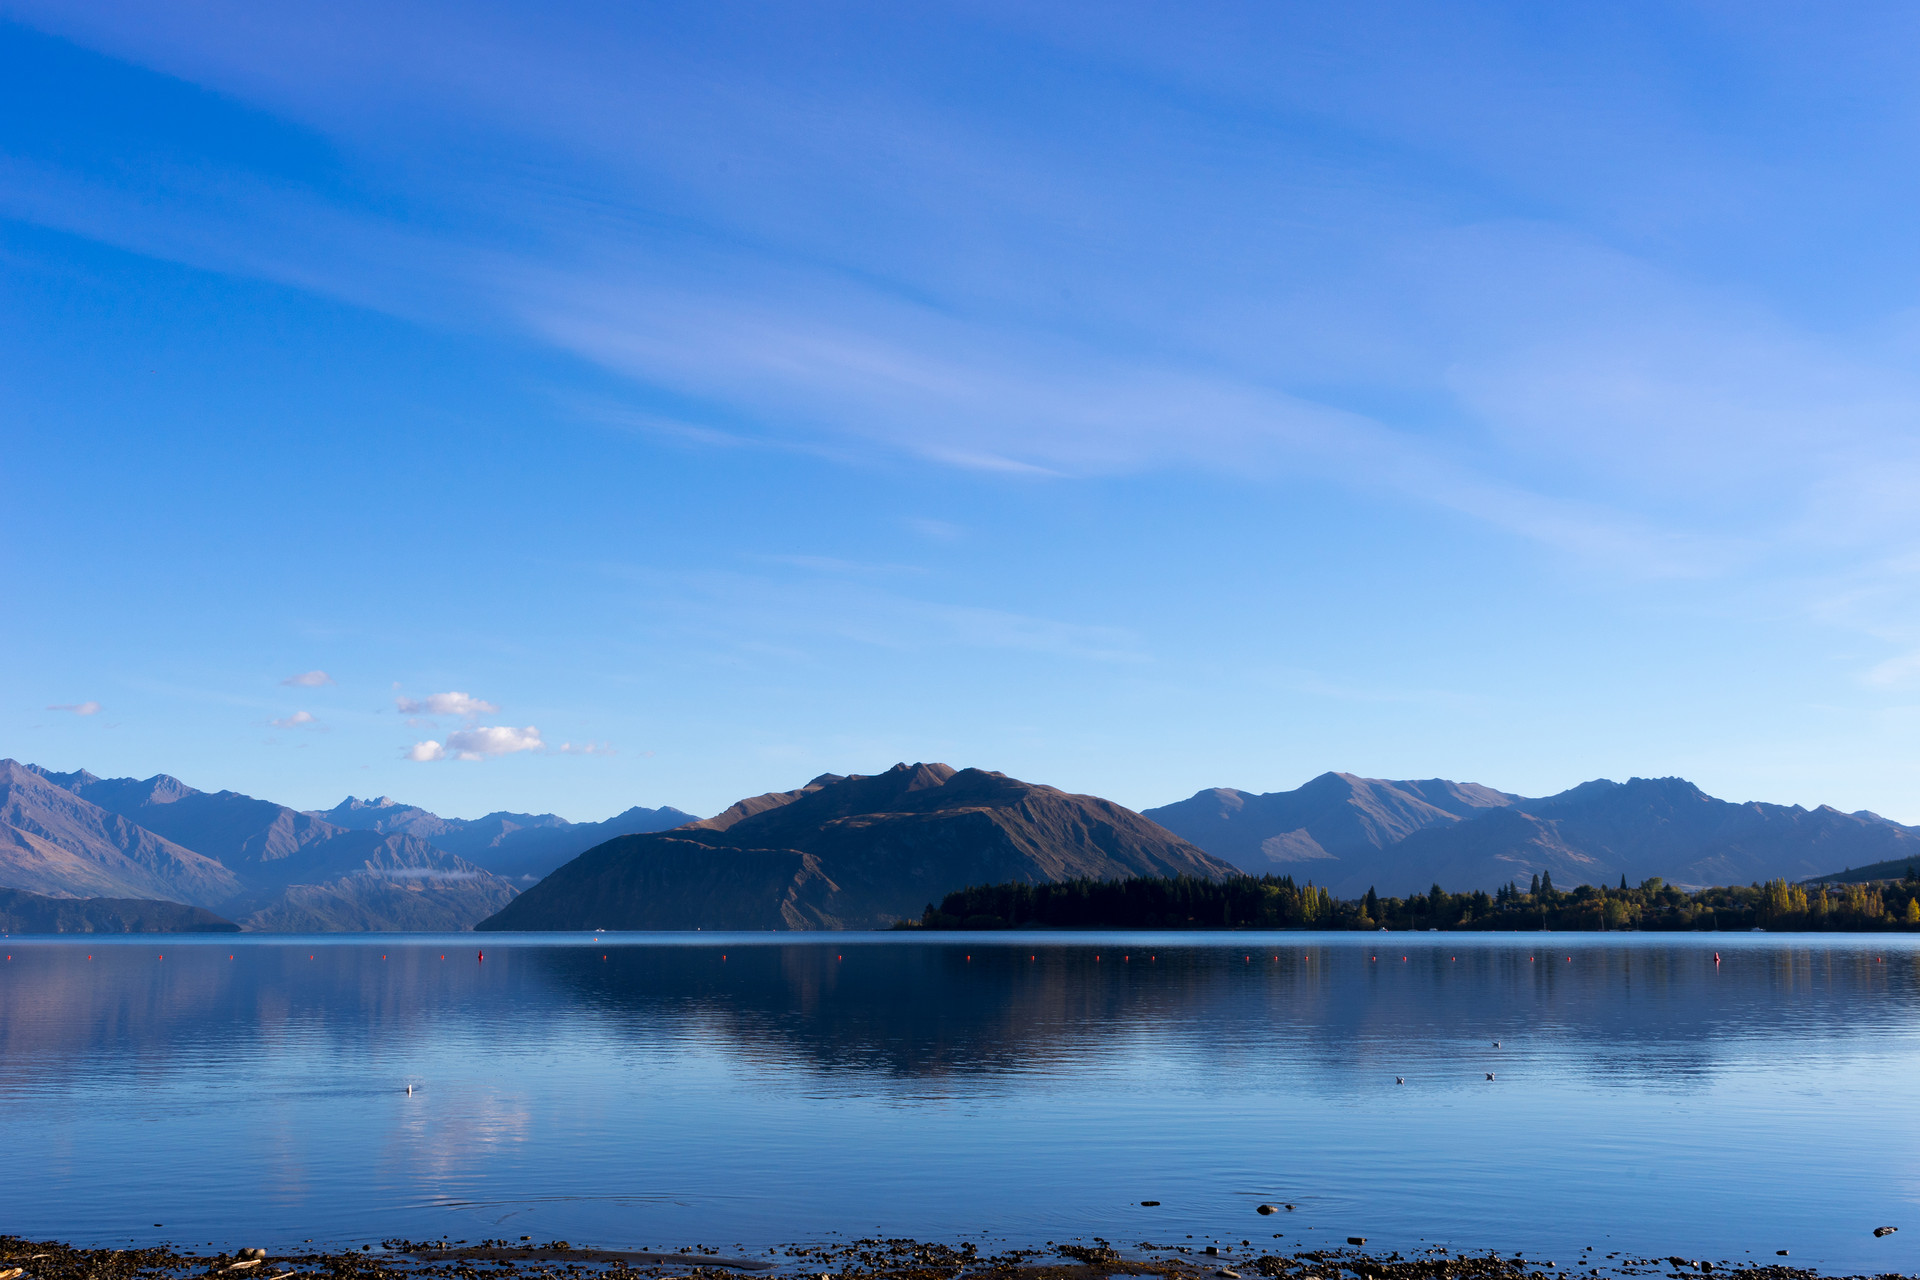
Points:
(1399, 1079)
(1489, 1075)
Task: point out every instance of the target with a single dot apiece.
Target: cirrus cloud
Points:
(481, 742)
(309, 680)
(78, 708)
(446, 704)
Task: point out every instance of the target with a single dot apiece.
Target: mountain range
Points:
(523, 847)
(852, 853)
(259, 863)
(1351, 834)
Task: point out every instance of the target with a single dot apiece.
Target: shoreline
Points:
(874, 1259)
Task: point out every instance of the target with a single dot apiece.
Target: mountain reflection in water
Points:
(656, 1091)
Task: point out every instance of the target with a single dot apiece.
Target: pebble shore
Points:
(22, 1259)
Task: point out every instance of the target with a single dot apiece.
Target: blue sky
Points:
(1135, 398)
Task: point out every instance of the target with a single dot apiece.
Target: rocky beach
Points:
(873, 1259)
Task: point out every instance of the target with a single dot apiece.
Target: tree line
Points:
(1278, 902)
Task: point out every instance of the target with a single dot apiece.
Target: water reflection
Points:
(650, 1092)
(1637, 1014)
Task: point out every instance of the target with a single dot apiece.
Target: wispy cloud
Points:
(294, 721)
(309, 680)
(936, 530)
(77, 708)
(795, 348)
(445, 704)
(582, 749)
(1027, 299)
(836, 565)
(767, 615)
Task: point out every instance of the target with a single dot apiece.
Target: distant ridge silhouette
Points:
(1351, 834)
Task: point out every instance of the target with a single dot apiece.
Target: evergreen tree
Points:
(1546, 882)
(1534, 888)
(1623, 881)
(1373, 904)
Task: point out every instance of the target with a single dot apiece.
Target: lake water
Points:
(659, 1090)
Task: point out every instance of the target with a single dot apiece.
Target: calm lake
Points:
(660, 1090)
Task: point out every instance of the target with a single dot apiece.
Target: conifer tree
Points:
(1546, 882)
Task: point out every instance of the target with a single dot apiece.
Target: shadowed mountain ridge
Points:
(852, 852)
(59, 844)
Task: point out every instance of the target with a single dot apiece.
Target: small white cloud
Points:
(293, 721)
(582, 749)
(418, 873)
(482, 742)
(446, 704)
(78, 708)
(493, 740)
(309, 680)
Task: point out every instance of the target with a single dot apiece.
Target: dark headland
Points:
(852, 853)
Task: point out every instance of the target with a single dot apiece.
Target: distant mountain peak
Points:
(353, 804)
(69, 781)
